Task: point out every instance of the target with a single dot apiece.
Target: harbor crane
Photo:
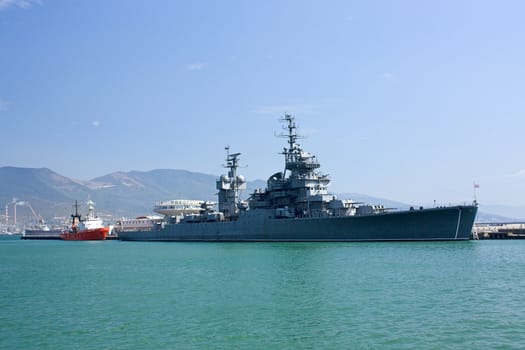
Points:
(15, 202)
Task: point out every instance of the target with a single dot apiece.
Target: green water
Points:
(126, 295)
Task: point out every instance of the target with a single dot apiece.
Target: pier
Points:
(43, 237)
(57, 237)
(514, 230)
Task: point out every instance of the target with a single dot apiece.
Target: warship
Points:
(297, 207)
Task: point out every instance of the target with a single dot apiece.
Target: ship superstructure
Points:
(229, 186)
(303, 193)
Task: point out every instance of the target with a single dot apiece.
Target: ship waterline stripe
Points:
(459, 219)
(289, 240)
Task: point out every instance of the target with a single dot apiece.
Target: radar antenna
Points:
(292, 135)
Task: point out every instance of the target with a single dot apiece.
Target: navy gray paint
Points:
(296, 206)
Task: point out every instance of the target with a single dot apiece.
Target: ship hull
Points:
(42, 234)
(32, 232)
(97, 234)
(433, 224)
(10, 236)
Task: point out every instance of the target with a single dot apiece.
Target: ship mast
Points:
(296, 160)
(229, 186)
(292, 138)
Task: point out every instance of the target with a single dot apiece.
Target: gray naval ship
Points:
(296, 206)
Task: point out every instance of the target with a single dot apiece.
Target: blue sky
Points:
(407, 100)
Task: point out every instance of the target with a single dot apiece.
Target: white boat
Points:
(141, 223)
(182, 207)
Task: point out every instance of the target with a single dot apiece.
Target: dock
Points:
(514, 230)
(57, 237)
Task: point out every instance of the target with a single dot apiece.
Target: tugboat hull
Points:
(97, 234)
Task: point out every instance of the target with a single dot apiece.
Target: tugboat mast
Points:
(75, 218)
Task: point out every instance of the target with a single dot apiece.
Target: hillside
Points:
(126, 194)
(117, 194)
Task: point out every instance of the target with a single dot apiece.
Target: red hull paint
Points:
(96, 234)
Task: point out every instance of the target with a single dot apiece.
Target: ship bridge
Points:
(295, 158)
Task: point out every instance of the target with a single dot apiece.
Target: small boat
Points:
(42, 231)
(89, 229)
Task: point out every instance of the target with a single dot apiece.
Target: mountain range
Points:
(41, 192)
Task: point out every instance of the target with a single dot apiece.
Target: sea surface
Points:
(133, 295)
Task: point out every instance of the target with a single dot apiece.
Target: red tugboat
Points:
(89, 229)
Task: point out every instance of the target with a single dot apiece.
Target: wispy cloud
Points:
(388, 76)
(96, 123)
(4, 4)
(519, 173)
(196, 66)
(281, 109)
(315, 106)
(3, 105)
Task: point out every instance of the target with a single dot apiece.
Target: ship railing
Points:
(429, 206)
